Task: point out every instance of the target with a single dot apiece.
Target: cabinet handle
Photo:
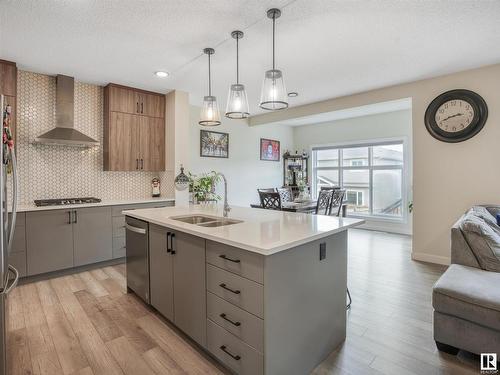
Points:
(136, 163)
(223, 286)
(224, 316)
(233, 356)
(69, 217)
(142, 163)
(172, 236)
(137, 104)
(229, 259)
(168, 240)
(75, 217)
(142, 107)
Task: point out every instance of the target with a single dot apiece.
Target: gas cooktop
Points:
(65, 201)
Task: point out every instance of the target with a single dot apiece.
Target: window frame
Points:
(404, 168)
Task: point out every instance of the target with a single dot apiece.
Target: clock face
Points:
(454, 115)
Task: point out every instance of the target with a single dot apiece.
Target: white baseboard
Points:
(430, 258)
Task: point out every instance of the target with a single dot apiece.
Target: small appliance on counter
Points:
(65, 201)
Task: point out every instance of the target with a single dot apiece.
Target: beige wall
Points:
(447, 178)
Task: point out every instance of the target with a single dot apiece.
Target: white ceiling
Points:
(364, 110)
(326, 48)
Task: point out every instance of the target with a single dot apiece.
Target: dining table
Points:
(306, 206)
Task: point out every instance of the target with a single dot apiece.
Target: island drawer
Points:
(238, 261)
(241, 292)
(240, 323)
(234, 353)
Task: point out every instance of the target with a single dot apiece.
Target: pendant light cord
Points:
(237, 61)
(209, 77)
(274, 30)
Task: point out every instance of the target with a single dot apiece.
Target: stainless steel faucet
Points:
(226, 205)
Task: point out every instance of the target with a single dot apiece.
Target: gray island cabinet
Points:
(273, 309)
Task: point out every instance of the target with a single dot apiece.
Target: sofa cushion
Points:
(483, 240)
(469, 293)
(486, 215)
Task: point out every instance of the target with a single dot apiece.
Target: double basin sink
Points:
(205, 220)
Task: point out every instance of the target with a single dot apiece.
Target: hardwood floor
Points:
(86, 324)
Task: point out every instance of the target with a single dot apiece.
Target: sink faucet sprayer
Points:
(226, 205)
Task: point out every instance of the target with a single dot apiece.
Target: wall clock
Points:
(456, 115)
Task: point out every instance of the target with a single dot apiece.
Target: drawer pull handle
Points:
(229, 259)
(224, 316)
(223, 286)
(235, 357)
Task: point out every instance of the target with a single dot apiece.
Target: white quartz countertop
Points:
(32, 207)
(262, 231)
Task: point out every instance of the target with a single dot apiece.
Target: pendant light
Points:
(210, 115)
(237, 102)
(273, 95)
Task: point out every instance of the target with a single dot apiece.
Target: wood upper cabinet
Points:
(8, 88)
(134, 130)
(8, 78)
(122, 99)
(152, 105)
(123, 141)
(152, 146)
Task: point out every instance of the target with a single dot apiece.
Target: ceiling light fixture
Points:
(237, 102)
(210, 115)
(273, 94)
(293, 94)
(161, 74)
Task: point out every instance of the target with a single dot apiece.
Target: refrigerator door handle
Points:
(13, 284)
(14, 201)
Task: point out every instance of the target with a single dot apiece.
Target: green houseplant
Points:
(202, 187)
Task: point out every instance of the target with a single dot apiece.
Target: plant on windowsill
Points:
(202, 187)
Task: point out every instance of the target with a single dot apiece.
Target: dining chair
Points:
(323, 204)
(337, 201)
(285, 194)
(267, 190)
(270, 200)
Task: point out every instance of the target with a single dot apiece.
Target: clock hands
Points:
(455, 115)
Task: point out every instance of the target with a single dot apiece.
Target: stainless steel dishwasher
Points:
(137, 248)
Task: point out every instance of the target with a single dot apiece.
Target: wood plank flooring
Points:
(86, 324)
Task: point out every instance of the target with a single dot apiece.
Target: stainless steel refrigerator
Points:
(8, 274)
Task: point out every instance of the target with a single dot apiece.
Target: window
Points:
(372, 174)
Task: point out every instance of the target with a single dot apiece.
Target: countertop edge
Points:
(261, 251)
(30, 208)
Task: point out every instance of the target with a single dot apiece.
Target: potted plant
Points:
(202, 187)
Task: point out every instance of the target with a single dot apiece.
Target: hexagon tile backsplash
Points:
(63, 171)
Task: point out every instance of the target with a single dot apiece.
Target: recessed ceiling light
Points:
(293, 94)
(162, 74)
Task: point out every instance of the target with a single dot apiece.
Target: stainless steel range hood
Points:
(64, 133)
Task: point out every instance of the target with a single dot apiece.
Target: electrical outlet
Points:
(322, 251)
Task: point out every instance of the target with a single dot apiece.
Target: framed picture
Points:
(269, 150)
(214, 144)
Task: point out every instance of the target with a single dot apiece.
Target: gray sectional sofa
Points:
(466, 299)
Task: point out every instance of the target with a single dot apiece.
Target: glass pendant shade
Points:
(182, 180)
(273, 95)
(210, 115)
(237, 102)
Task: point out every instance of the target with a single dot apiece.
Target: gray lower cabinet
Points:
(17, 255)
(177, 277)
(161, 272)
(49, 241)
(92, 241)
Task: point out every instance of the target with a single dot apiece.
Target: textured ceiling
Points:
(326, 48)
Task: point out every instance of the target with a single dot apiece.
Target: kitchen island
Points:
(263, 291)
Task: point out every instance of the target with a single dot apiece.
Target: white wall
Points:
(447, 177)
(243, 169)
(357, 130)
